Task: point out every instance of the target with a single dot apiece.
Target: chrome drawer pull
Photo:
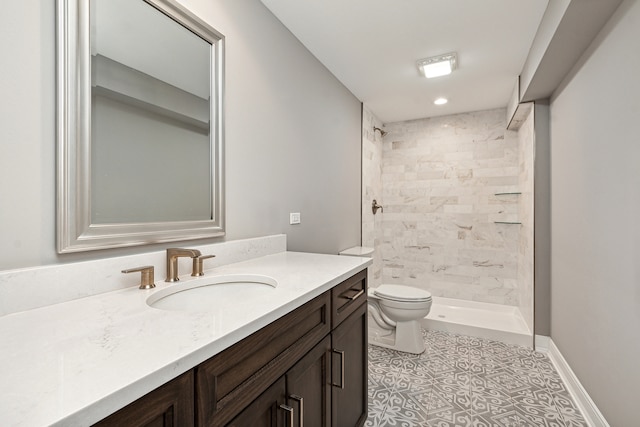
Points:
(301, 409)
(354, 296)
(341, 353)
(289, 409)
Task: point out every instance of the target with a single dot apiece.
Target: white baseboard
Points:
(541, 343)
(588, 408)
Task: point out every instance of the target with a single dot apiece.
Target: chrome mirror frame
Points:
(74, 230)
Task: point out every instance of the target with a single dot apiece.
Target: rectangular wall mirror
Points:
(140, 124)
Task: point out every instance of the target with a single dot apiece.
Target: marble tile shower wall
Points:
(372, 189)
(440, 177)
(526, 139)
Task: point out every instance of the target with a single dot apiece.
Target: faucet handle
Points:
(197, 264)
(146, 277)
(375, 206)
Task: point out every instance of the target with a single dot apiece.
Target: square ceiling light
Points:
(437, 66)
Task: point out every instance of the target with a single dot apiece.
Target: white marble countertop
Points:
(76, 362)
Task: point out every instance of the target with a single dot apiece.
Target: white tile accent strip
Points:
(587, 406)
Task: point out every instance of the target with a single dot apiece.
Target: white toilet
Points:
(397, 311)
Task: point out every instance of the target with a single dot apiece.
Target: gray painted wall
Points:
(542, 220)
(292, 135)
(123, 136)
(595, 207)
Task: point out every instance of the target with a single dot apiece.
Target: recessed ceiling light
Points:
(437, 66)
(441, 101)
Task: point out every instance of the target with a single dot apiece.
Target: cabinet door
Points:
(349, 371)
(309, 387)
(266, 410)
(229, 381)
(170, 405)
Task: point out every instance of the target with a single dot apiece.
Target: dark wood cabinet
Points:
(170, 405)
(307, 368)
(309, 387)
(347, 297)
(231, 380)
(349, 397)
(302, 397)
(267, 410)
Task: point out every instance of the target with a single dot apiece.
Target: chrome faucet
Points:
(172, 261)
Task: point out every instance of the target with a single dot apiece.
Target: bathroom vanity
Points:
(306, 368)
(295, 355)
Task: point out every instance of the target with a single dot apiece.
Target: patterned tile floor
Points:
(467, 381)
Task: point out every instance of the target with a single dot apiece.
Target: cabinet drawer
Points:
(348, 296)
(230, 380)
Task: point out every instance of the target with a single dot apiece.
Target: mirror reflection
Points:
(150, 113)
(139, 124)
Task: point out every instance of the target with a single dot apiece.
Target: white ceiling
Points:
(372, 46)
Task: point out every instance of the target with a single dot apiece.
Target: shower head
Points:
(382, 133)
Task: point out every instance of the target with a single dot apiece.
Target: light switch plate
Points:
(294, 218)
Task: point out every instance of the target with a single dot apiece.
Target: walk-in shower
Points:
(457, 193)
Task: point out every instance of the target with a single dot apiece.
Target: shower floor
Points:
(490, 321)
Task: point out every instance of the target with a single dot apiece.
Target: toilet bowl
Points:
(397, 311)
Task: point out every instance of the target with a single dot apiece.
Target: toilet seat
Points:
(402, 293)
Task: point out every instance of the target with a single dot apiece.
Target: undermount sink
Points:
(207, 293)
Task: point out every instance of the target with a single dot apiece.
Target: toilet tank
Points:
(365, 252)
(361, 251)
